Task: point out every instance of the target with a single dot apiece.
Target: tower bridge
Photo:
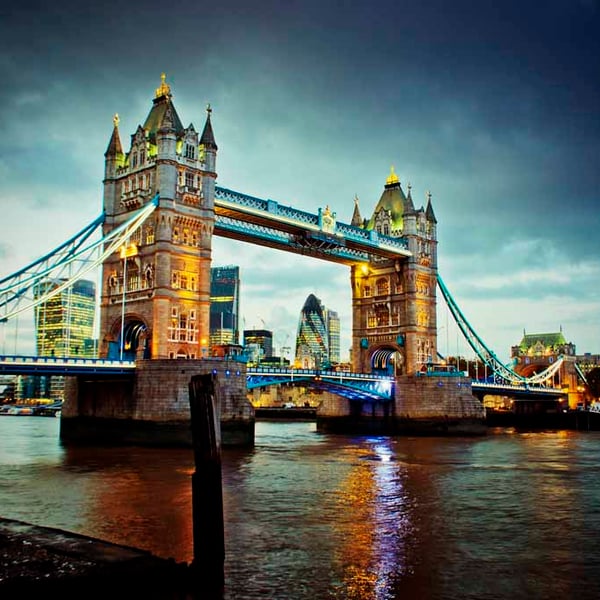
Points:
(161, 207)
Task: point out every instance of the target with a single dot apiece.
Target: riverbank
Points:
(41, 561)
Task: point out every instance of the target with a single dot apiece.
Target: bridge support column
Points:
(151, 407)
(421, 406)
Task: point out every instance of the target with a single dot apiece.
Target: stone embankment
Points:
(38, 562)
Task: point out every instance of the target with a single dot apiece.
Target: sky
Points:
(493, 107)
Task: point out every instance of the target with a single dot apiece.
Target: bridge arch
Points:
(135, 336)
(387, 360)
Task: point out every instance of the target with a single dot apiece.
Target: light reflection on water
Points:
(311, 516)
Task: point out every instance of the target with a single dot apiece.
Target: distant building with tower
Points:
(224, 305)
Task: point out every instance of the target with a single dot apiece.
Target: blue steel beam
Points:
(355, 386)
(268, 223)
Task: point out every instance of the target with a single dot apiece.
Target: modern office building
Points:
(332, 321)
(64, 327)
(258, 344)
(64, 323)
(312, 341)
(224, 305)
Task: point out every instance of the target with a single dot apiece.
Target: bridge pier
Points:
(151, 406)
(422, 405)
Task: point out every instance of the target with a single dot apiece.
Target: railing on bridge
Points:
(363, 386)
(49, 365)
(270, 223)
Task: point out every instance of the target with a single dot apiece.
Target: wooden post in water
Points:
(207, 491)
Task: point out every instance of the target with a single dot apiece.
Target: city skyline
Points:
(494, 109)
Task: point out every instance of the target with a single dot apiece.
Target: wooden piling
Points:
(207, 491)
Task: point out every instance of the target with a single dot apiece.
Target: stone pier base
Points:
(151, 407)
(422, 405)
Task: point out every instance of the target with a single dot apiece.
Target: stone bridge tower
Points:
(155, 295)
(394, 301)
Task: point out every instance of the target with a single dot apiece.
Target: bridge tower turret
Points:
(394, 301)
(155, 296)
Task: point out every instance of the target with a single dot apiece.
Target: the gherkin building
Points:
(312, 349)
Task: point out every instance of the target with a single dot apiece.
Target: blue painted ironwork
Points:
(269, 223)
(68, 263)
(516, 390)
(502, 372)
(356, 386)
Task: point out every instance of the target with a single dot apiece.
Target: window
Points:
(181, 328)
(383, 287)
(383, 316)
(190, 151)
(189, 179)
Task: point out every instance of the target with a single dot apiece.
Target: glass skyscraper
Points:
(224, 305)
(312, 349)
(332, 322)
(258, 344)
(64, 327)
(64, 323)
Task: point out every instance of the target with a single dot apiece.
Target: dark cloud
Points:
(493, 106)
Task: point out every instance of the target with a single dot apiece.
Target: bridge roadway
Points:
(354, 386)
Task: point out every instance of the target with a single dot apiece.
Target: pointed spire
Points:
(429, 210)
(356, 218)
(208, 138)
(168, 120)
(409, 207)
(114, 145)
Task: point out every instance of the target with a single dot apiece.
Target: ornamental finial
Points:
(163, 89)
(208, 109)
(393, 178)
(116, 120)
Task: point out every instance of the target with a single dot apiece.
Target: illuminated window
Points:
(189, 179)
(383, 287)
(367, 291)
(150, 234)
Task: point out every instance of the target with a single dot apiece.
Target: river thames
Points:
(314, 516)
